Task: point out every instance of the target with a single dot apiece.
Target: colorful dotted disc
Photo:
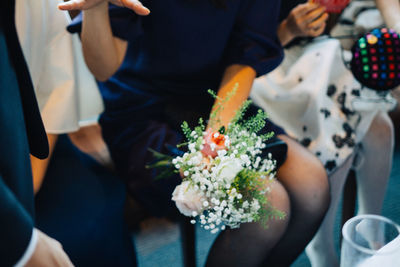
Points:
(376, 59)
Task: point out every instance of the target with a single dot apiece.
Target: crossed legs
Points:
(302, 192)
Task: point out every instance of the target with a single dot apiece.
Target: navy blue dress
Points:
(174, 55)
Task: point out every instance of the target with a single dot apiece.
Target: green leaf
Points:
(159, 164)
(159, 156)
(186, 130)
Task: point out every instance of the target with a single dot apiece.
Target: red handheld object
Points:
(332, 6)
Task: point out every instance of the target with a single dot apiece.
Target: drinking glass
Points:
(370, 241)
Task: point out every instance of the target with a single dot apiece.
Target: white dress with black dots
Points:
(316, 99)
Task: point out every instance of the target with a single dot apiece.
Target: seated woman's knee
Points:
(317, 198)
(279, 199)
(305, 179)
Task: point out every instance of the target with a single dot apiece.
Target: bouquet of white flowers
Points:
(225, 179)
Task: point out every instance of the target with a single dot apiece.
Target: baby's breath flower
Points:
(221, 153)
(219, 179)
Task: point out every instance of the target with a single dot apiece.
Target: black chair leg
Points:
(188, 242)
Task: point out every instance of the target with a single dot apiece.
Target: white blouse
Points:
(66, 91)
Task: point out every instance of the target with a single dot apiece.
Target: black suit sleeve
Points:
(16, 226)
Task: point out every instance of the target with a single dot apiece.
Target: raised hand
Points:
(134, 5)
(307, 19)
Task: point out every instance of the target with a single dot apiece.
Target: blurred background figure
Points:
(315, 97)
(67, 93)
(21, 243)
(78, 201)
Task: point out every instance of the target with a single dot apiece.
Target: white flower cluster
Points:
(210, 192)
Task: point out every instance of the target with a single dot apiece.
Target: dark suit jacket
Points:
(21, 132)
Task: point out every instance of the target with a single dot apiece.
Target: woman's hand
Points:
(304, 20)
(48, 252)
(135, 5)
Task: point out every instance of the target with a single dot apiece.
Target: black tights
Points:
(302, 192)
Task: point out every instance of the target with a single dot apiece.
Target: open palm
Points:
(135, 5)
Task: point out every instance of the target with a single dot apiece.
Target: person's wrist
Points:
(285, 34)
(101, 7)
(95, 14)
(30, 250)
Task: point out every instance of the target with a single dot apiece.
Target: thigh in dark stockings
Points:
(250, 244)
(306, 182)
